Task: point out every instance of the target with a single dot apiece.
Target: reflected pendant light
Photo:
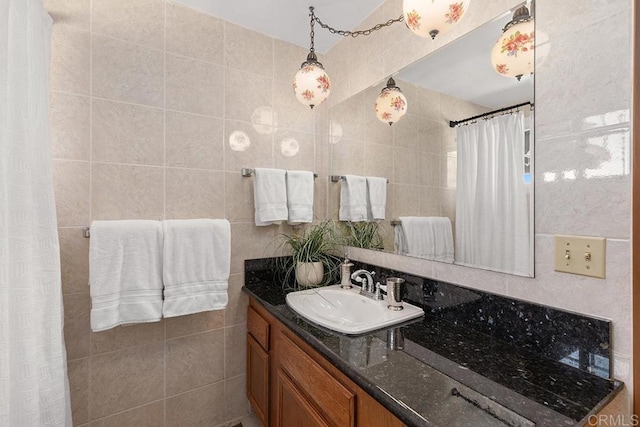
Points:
(391, 104)
(428, 18)
(311, 83)
(513, 53)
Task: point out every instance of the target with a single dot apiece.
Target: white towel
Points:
(197, 256)
(399, 240)
(353, 199)
(377, 197)
(300, 197)
(125, 273)
(426, 237)
(270, 196)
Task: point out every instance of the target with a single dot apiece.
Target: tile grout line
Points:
(159, 340)
(224, 115)
(182, 393)
(124, 411)
(65, 92)
(147, 165)
(91, 53)
(224, 165)
(171, 53)
(191, 113)
(164, 201)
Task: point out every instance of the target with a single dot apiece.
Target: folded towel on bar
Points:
(399, 241)
(270, 196)
(125, 273)
(376, 197)
(300, 196)
(425, 237)
(197, 256)
(353, 199)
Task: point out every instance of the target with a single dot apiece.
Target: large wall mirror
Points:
(476, 179)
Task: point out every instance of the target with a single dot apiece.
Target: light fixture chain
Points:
(312, 33)
(355, 33)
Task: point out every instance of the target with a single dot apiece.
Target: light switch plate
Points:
(580, 255)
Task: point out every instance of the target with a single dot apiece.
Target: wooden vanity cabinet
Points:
(258, 378)
(321, 396)
(258, 364)
(290, 385)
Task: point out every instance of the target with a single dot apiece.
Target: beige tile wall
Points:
(582, 176)
(158, 72)
(144, 98)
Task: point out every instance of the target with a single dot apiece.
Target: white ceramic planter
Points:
(309, 274)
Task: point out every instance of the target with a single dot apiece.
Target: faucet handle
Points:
(378, 296)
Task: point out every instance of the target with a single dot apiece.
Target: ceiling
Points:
(288, 20)
(461, 69)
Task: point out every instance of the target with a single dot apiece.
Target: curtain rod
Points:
(454, 123)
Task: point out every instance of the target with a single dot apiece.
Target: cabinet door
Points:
(258, 379)
(294, 410)
(371, 413)
(325, 393)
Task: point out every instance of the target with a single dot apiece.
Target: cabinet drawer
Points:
(333, 400)
(258, 327)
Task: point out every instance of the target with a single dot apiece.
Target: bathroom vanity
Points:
(452, 367)
(290, 384)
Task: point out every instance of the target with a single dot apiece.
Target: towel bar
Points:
(336, 178)
(86, 232)
(247, 172)
(395, 222)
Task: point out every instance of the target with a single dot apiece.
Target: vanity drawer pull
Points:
(258, 328)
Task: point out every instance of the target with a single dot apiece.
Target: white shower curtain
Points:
(34, 389)
(492, 214)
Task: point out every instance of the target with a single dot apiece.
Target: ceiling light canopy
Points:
(428, 18)
(513, 54)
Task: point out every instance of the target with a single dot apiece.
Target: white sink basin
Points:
(347, 311)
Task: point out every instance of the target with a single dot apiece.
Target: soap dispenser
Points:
(345, 273)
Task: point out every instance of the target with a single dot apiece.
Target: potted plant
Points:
(311, 260)
(364, 235)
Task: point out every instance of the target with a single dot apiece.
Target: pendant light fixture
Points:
(428, 18)
(311, 83)
(513, 54)
(391, 104)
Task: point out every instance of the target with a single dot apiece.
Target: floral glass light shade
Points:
(391, 104)
(311, 83)
(428, 18)
(513, 54)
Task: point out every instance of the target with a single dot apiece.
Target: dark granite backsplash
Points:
(578, 341)
(512, 358)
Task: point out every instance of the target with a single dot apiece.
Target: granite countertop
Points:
(431, 372)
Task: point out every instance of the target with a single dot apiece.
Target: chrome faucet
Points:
(369, 288)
